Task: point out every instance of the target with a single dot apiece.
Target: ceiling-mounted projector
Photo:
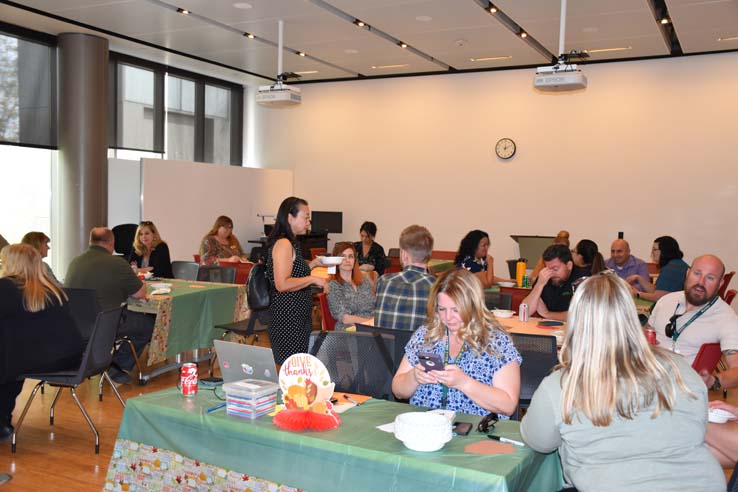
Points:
(278, 95)
(559, 78)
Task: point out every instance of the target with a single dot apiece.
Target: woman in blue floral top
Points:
(473, 256)
(481, 372)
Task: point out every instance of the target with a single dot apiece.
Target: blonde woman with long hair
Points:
(150, 253)
(481, 367)
(624, 415)
(37, 332)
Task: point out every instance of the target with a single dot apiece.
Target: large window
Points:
(217, 124)
(180, 114)
(26, 198)
(135, 108)
(180, 119)
(27, 83)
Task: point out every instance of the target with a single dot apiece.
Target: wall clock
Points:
(505, 148)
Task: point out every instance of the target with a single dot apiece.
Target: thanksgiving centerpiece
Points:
(306, 390)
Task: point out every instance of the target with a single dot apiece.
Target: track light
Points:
(359, 23)
(249, 35)
(183, 11)
(402, 45)
(492, 9)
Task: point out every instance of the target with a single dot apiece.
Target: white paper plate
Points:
(160, 285)
(506, 284)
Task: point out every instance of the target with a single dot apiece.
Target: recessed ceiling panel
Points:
(699, 24)
(591, 24)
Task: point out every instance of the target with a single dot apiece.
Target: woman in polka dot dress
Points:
(289, 275)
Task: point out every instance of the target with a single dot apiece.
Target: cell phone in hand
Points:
(462, 428)
(430, 361)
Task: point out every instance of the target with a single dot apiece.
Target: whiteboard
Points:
(184, 198)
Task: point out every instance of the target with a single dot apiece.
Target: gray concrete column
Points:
(82, 174)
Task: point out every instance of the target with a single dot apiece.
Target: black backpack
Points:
(259, 288)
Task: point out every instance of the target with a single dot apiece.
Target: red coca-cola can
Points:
(651, 336)
(188, 379)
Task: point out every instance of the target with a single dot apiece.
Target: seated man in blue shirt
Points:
(625, 264)
(402, 298)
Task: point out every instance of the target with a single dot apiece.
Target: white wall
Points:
(183, 199)
(124, 192)
(649, 148)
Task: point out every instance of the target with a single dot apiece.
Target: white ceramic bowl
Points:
(422, 431)
(330, 260)
(503, 313)
(160, 285)
(506, 284)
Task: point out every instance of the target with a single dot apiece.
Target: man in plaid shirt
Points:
(402, 297)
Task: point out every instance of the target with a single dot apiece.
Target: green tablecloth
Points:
(355, 457)
(185, 317)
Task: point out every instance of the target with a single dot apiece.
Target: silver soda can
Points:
(523, 313)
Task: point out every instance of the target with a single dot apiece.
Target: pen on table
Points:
(347, 397)
(505, 439)
(212, 409)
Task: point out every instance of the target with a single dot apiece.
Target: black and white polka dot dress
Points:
(291, 323)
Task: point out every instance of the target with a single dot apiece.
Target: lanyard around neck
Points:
(699, 313)
(447, 360)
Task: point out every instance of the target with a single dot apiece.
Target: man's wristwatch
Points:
(716, 386)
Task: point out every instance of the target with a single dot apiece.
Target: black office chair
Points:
(96, 359)
(497, 300)
(223, 275)
(356, 363)
(185, 270)
(400, 337)
(124, 235)
(258, 253)
(84, 307)
(539, 358)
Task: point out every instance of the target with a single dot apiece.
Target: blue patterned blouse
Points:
(474, 265)
(482, 368)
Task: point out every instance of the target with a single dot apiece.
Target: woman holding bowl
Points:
(150, 253)
(289, 275)
(37, 331)
(480, 366)
(369, 253)
(350, 294)
(221, 244)
(473, 255)
(624, 415)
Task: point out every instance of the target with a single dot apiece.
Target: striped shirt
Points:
(402, 299)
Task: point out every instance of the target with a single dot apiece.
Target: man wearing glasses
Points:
(684, 320)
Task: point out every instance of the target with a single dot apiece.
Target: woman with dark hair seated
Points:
(480, 371)
(221, 244)
(37, 332)
(473, 256)
(672, 271)
(41, 241)
(624, 415)
(369, 253)
(150, 253)
(586, 255)
(350, 294)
